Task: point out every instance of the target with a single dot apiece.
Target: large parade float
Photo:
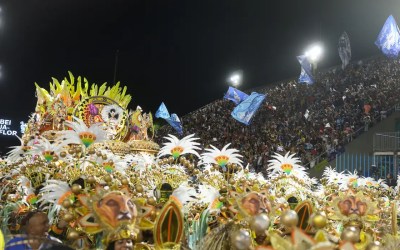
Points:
(90, 164)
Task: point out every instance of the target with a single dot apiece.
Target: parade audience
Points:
(315, 121)
(35, 227)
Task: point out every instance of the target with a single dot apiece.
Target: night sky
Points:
(178, 52)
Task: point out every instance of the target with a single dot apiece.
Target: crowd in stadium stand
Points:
(314, 121)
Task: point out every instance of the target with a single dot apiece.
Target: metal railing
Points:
(377, 166)
(386, 141)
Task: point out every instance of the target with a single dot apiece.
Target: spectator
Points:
(35, 225)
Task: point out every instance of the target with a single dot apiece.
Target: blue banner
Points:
(175, 123)
(388, 40)
(245, 111)
(162, 112)
(344, 49)
(306, 71)
(172, 119)
(235, 95)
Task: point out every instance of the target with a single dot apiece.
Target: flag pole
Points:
(116, 66)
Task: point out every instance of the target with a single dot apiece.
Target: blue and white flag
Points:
(175, 123)
(162, 112)
(235, 95)
(245, 111)
(344, 49)
(388, 40)
(306, 71)
(172, 119)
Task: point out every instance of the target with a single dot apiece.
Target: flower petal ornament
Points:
(47, 149)
(176, 147)
(332, 176)
(18, 152)
(287, 164)
(53, 194)
(140, 162)
(111, 163)
(221, 157)
(81, 134)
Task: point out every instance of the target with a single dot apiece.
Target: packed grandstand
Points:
(314, 121)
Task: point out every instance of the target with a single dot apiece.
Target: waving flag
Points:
(245, 111)
(388, 40)
(235, 95)
(307, 114)
(172, 120)
(162, 112)
(344, 49)
(306, 72)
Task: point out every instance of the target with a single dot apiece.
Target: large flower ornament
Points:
(26, 190)
(47, 149)
(350, 180)
(245, 174)
(141, 162)
(188, 194)
(221, 157)
(380, 183)
(81, 134)
(332, 176)
(106, 161)
(176, 147)
(112, 163)
(53, 194)
(20, 151)
(287, 164)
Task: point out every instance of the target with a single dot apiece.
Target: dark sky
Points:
(179, 52)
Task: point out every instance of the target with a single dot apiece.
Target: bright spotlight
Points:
(235, 78)
(314, 53)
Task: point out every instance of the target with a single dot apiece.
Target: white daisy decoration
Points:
(287, 164)
(26, 190)
(381, 183)
(24, 185)
(53, 194)
(188, 194)
(332, 176)
(107, 161)
(248, 175)
(20, 151)
(350, 179)
(221, 157)
(81, 134)
(141, 162)
(176, 147)
(47, 149)
(366, 182)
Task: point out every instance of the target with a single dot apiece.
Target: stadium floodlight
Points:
(314, 52)
(235, 78)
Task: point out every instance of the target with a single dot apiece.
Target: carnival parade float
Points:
(90, 164)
